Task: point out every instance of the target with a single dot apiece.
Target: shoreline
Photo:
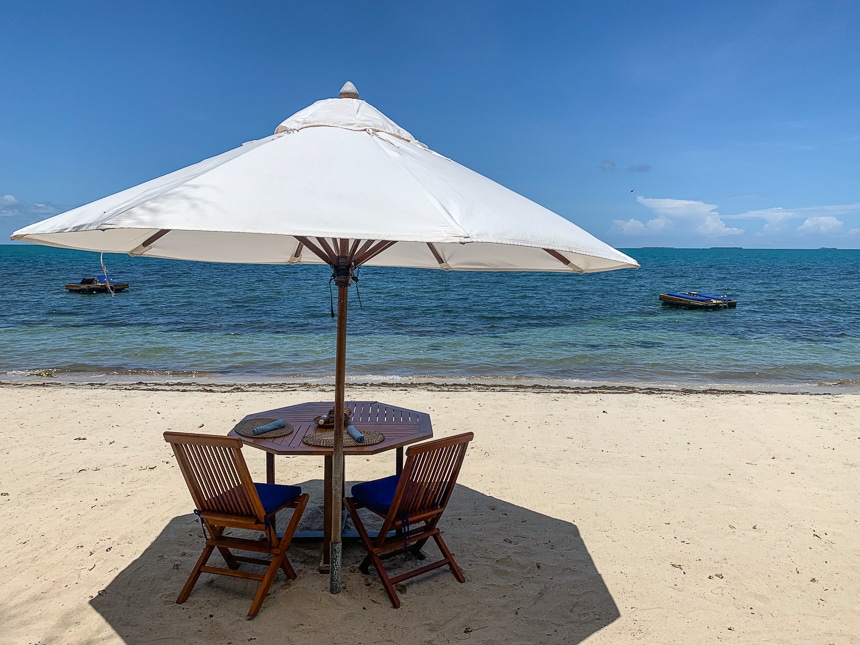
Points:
(167, 383)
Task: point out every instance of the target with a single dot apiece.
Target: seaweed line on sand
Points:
(428, 386)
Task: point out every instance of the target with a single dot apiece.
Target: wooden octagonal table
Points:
(399, 427)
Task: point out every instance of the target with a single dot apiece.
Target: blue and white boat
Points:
(696, 300)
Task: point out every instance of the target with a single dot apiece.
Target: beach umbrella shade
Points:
(338, 183)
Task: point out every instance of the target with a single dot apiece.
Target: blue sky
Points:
(646, 123)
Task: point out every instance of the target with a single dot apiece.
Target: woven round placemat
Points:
(326, 439)
(246, 428)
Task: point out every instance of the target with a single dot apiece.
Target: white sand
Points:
(599, 518)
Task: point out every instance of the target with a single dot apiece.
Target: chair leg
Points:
(416, 549)
(216, 532)
(279, 556)
(279, 559)
(389, 588)
(364, 567)
(266, 582)
(455, 569)
(231, 561)
(372, 557)
(376, 561)
(352, 508)
(287, 537)
(195, 574)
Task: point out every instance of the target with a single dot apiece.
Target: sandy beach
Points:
(594, 516)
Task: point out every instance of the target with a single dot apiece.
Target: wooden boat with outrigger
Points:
(696, 300)
(97, 284)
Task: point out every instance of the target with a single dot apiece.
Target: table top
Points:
(400, 427)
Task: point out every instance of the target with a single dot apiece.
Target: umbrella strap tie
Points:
(270, 528)
(331, 293)
(357, 292)
(202, 524)
(404, 528)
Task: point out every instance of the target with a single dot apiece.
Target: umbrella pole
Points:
(337, 470)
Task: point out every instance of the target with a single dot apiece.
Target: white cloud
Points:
(816, 219)
(677, 208)
(11, 206)
(658, 223)
(689, 221)
(683, 215)
(775, 218)
(779, 214)
(630, 227)
(823, 224)
(712, 225)
(634, 226)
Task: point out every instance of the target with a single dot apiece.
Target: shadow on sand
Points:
(529, 579)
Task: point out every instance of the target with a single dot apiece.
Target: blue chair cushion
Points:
(274, 496)
(377, 494)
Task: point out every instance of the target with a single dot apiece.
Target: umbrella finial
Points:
(348, 91)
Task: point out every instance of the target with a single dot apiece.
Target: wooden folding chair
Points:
(226, 497)
(411, 505)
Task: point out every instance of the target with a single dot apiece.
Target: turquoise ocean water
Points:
(796, 326)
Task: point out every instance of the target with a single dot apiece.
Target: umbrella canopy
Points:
(341, 184)
(337, 169)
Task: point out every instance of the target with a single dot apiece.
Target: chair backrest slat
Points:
(429, 475)
(223, 484)
(216, 474)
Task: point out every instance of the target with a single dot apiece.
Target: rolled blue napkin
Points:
(274, 425)
(355, 434)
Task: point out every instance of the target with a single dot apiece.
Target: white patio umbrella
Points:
(340, 184)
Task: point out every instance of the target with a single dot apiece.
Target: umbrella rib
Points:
(315, 249)
(354, 248)
(363, 249)
(558, 256)
(438, 256)
(332, 254)
(148, 242)
(374, 251)
(296, 257)
(359, 253)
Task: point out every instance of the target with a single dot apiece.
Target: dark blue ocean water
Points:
(797, 324)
